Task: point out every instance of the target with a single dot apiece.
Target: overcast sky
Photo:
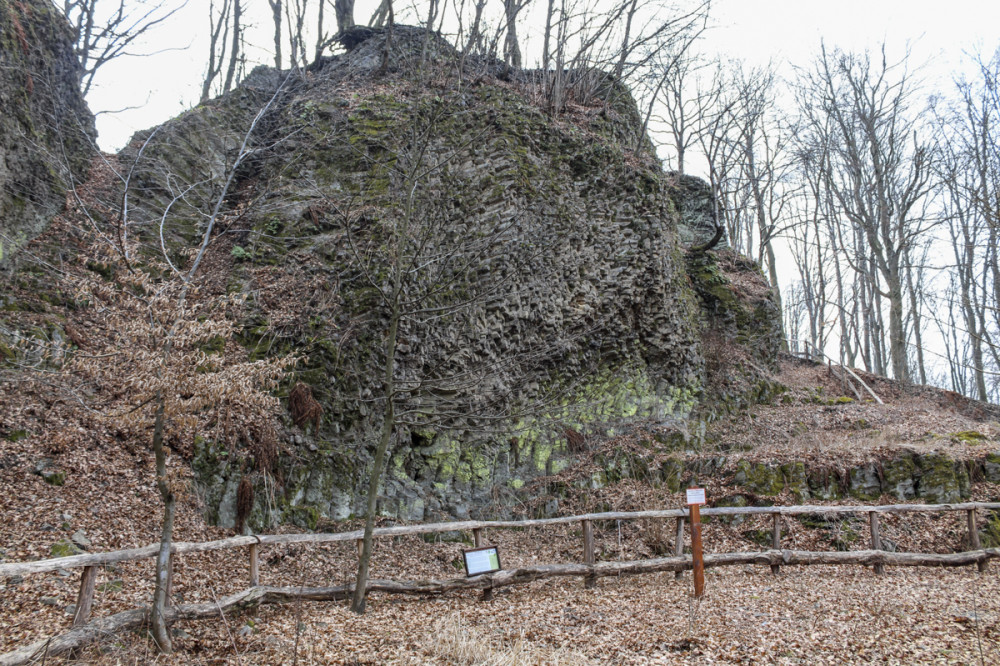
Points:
(786, 32)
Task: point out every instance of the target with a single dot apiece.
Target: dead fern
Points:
(244, 503)
(575, 441)
(262, 443)
(304, 407)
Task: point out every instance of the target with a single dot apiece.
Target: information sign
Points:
(482, 560)
(695, 496)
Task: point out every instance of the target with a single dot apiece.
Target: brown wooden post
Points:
(876, 540)
(589, 582)
(477, 540)
(776, 540)
(974, 537)
(254, 565)
(85, 599)
(679, 544)
(696, 553)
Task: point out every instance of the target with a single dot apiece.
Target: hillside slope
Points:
(60, 488)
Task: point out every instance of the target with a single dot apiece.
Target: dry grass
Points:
(462, 644)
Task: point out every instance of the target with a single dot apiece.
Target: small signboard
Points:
(695, 496)
(481, 560)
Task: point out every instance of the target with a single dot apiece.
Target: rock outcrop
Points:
(46, 130)
(545, 292)
(697, 223)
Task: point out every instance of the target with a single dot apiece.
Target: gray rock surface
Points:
(549, 248)
(697, 223)
(46, 129)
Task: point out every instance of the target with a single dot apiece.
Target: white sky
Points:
(785, 31)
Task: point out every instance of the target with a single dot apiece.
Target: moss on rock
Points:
(942, 480)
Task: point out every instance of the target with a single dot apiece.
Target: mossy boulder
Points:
(672, 474)
(865, 483)
(824, 484)
(759, 478)
(794, 475)
(64, 548)
(991, 467)
(729, 501)
(900, 475)
(989, 534)
(942, 480)
(560, 293)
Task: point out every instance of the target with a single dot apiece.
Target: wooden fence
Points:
(588, 568)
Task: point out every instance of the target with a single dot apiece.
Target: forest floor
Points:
(748, 616)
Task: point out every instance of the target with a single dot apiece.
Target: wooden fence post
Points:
(776, 540)
(477, 541)
(86, 597)
(589, 582)
(254, 565)
(697, 558)
(679, 544)
(876, 539)
(974, 537)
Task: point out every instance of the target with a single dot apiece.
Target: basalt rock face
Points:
(46, 130)
(697, 222)
(544, 293)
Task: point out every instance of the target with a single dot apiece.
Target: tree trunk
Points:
(344, 11)
(511, 48)
(158, 622)
(234, 48)
(897, 335)
(276, 17)
(389, 417)
(911, 287)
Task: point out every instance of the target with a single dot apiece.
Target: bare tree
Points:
(218, 42)
(295, 15)
(511, 47)
(878, 173)
(276, 20)
(107, 29)
(969, 172)
(757, 168)
(235, 45)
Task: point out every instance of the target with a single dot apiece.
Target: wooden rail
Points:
(589, 569)
(180, 547)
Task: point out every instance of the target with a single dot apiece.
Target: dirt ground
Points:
(804, 615)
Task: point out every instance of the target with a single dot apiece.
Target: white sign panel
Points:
(695, 496)
(482, 560)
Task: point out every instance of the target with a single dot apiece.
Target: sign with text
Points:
(482, 560)
(695, 496)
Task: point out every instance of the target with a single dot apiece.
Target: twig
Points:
(225, 623)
